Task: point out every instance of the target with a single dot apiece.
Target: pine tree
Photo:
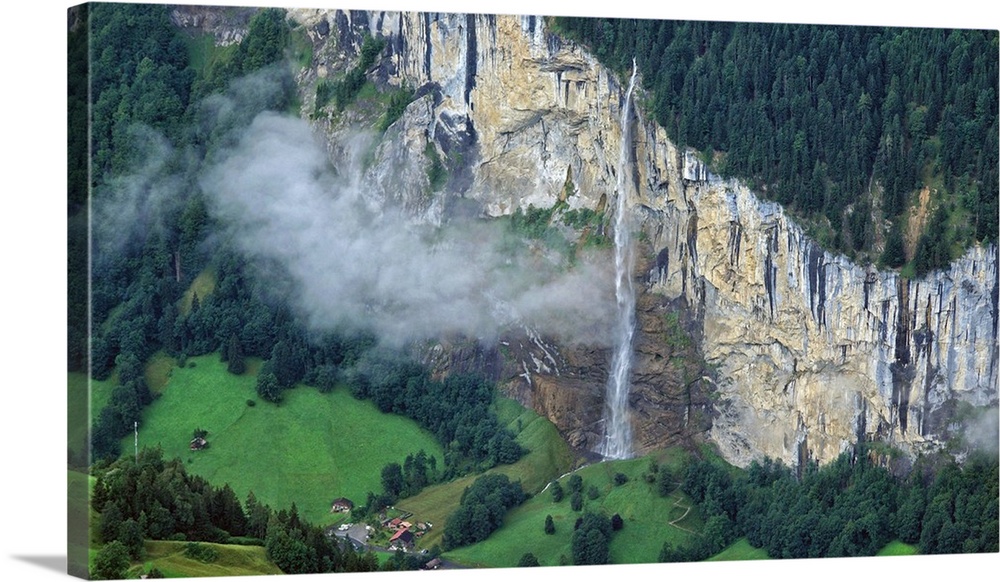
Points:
(557, 492)
(235, 357)
(267, 387)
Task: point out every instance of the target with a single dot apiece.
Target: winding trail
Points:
(687, 510)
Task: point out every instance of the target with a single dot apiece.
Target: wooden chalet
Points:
(341, 505)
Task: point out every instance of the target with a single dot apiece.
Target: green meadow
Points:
(308, 450)
(647, 519)
(740, 550)
(170, 560)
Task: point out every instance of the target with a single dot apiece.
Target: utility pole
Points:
(136, 426)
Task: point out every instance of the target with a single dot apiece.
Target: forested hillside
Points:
(844, 125)
(154, 251)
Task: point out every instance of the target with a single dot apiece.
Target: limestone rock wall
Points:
(814, 351)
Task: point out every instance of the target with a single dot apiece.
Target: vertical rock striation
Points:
(815, 349)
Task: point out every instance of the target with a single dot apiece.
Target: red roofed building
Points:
(401, 539)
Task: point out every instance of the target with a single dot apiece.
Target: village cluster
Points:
(402, 534)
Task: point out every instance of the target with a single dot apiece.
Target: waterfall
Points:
(617, 442)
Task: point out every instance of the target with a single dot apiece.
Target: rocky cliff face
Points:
(815, 351)
(807, 353)
(227, 25)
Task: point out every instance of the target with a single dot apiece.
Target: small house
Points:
(402, 539)
(433, 564)
(198, 443)
(342, 505)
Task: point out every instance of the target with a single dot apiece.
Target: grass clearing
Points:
(898, 548)
(203, 53)
(203, 285)
(158, 370)
(310, 449)
(169, 558)
(300, 47)
(639, 505)
(740, 550)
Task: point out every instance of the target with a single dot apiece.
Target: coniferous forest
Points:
(844, 125)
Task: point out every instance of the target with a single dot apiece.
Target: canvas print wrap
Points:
(358, 290)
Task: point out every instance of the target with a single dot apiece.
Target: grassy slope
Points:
(740, 550)
(548, 457)
(203, 285)
(203, 53)
(309, 450)
(168, 557)
(158, 370)
(645, 513)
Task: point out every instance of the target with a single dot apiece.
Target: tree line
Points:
(456, 410)
(850, 507)
(813, 116)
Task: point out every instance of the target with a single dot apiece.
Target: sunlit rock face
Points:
(815, 352)
(806, 352)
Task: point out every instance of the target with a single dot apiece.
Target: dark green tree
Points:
(130, 535)
(575, 483)
(111, 521)
(267, 387)
(111, 562)
(550, 526)
(591, 541)
(234, 356)
(392, 480)
(664, 482)
(557, 492)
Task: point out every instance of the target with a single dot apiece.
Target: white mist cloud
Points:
(982, 431)
(129, 206)
(308, 230)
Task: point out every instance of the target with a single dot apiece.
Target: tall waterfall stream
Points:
(617, 442)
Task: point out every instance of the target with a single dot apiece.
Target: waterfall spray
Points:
(617, 442)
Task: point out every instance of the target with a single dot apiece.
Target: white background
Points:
(33, 281)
